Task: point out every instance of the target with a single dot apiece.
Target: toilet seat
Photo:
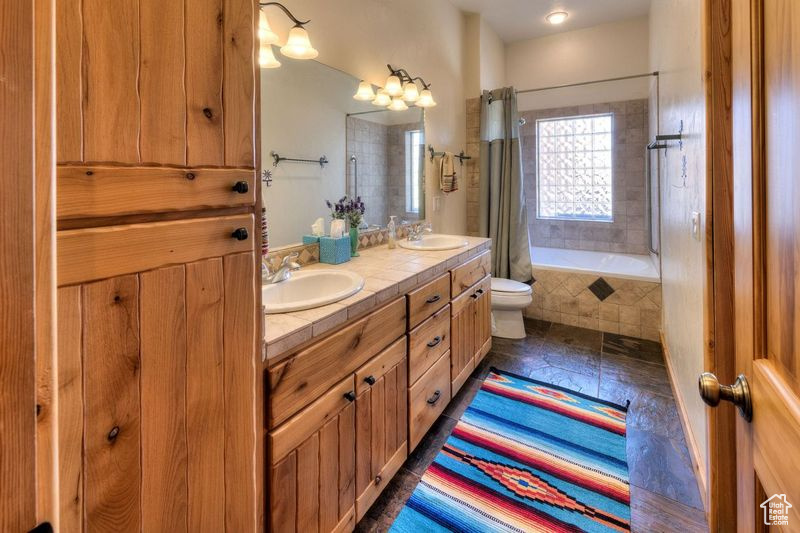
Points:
(509, 294)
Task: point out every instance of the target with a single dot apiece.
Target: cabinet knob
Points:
(350, 396)
(436, 340)
(433, 299)
(240, 234)
(370, 380)
(241, 187)
(378, 479)
(435, 398)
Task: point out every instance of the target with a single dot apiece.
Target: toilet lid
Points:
(507, 285)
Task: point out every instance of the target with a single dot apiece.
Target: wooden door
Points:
(313, 466)
(766, 229)
(483, 319)
(157, 399)
(381, 423)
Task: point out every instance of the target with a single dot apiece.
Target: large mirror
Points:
(307, 113)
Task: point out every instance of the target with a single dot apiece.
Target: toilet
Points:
(509, 298)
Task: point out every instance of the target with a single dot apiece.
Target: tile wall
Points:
(627, 232)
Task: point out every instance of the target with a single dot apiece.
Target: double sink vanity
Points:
(360, 360)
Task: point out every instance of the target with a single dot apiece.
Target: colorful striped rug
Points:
(526, 456)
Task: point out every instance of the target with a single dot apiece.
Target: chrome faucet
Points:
(415, 231)
(284, 272)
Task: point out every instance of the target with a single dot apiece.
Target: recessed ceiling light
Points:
(557, 17)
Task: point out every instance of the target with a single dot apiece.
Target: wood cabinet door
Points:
(462, 341)
(312, 466)
(156, 83)
(381, 423)
(157, 399)
(482, 305)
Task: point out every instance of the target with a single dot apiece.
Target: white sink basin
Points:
(434, 242)
(306, 290)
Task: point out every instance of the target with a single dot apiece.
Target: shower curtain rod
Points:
(621, 78)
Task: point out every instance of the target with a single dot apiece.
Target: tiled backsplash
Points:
(615, 305)
(309, 253)
(627, 232)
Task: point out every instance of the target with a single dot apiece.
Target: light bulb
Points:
(265, 33)
(298, 45)
(398, 104)
(393, 86)
(557, 17)
(425, 99)
(410, 92)
(266, 58)
(382, 99)
(364, 92)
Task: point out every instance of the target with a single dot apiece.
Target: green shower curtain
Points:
(503, 215)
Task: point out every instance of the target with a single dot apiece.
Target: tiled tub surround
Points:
(598, 302)
(387, 274)
(627, 232)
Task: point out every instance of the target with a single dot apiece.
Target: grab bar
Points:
(655, 145)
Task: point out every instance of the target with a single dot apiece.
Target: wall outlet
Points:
(696, 225)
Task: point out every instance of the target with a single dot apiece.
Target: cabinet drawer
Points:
(111, 191)
(304, 377)
(427, 399)
(307, 422)
(428, 299)
(427, 343)
(482, 288)
(99, 253)
(380, 365)
(471, 272)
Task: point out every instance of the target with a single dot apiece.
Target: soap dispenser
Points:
(392, 229)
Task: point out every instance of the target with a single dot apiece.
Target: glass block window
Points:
(573, 177)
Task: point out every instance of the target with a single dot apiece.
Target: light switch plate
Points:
(696, 225)
(437, 204)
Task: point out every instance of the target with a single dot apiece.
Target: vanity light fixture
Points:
(298, 45)
(557, 17)
(364, 92)
(401, 90)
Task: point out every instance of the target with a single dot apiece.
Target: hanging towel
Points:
(448, 181)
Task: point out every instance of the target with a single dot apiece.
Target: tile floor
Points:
(664, 493)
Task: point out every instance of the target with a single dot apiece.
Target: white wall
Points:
(492, 59)
(600, 52)
(676, 52)
(424, 37)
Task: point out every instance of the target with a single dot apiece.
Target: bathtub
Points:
(625, 266)
(611, 292)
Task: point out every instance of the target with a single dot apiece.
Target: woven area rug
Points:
(526, 456)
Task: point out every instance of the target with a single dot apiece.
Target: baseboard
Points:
(691, 442)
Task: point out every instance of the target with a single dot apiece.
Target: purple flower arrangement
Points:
(350, 209)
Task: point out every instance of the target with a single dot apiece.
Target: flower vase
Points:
(353, 242)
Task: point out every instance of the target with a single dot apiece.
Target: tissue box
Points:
(334, 251)
(310, 239)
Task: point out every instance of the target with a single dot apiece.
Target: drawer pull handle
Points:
(370, 380)
(433, 299)
(241, 187)
(350, 396)
(435, 398)
(240, 234)
(436, 340)
(480, 291)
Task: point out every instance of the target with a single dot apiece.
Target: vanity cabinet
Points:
(343, 412)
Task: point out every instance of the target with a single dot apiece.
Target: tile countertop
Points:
(387, 275)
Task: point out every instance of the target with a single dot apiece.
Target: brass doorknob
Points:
(739, 393)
